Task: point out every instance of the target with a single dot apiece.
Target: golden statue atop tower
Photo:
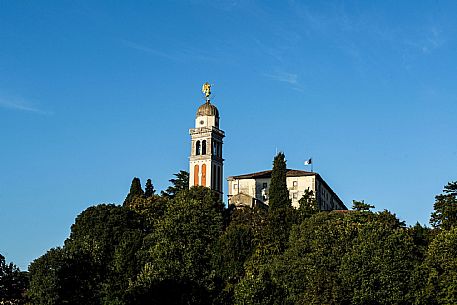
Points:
(206, 89)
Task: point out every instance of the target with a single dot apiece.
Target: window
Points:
(264, 185)
(196, 175)
(235, 186)
(197, 150)
(219, 178)
(214, 148)
(213, 175)
(204, 147)
(294, 195)
(204, 174)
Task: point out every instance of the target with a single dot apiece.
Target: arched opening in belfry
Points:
(197, 148)
(204, 147)
(196, 175)
(204, 174)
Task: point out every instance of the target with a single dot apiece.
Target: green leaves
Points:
(181, 247)
(186, 248)
(278, 192)
(178, 184)
(444, 215)
(440, 267)
(96, 262)
(13, 283)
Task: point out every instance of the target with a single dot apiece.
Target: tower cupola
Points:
(208, 109)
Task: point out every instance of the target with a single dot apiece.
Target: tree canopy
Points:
(185, 247)
(13, 283)
(444, 215)
(178, 184)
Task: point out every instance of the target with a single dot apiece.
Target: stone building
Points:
(252, 189)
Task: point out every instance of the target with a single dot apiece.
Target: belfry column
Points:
(206, 162)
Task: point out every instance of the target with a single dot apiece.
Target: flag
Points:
(308, 162)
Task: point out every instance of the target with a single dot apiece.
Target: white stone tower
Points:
(206, 162)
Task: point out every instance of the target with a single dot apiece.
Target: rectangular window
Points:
(264, 185)
(213, 175)
(294, 195)
(219, 180)
(295, 183)
(235, 186)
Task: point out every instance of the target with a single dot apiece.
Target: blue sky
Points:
(93, 93)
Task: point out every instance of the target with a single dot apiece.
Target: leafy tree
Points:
(151, 208)
(13, 283)
(361, 206)
(99, 230)
(63, 277)
(149, 190)
(308, 269)
(111, 235)
(444, 215)
(178, 270)
(178, 184)
(307, 205)
(422, 237)
(278, 192)
(234, 248)
(276, 229)
(440, 268)
(260, 289)
(135, 191)
(97, 262)
(379, 267)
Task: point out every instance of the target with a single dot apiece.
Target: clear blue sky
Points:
(93, 93)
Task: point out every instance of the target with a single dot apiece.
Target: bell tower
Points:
(206, 162)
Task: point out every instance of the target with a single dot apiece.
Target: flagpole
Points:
(312, 162)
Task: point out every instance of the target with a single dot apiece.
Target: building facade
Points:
(206, 162)
(252, 189)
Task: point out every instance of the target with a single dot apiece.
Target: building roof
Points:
(267, 174)
(208, 109)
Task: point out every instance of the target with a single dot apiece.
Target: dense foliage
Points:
(185, 247)
(13, 283)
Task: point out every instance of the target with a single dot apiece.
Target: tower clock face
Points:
(202, 122)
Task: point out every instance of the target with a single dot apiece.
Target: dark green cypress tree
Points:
(279, 194)
(149, 190)
(135, 191)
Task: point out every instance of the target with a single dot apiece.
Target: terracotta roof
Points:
(267, 174)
